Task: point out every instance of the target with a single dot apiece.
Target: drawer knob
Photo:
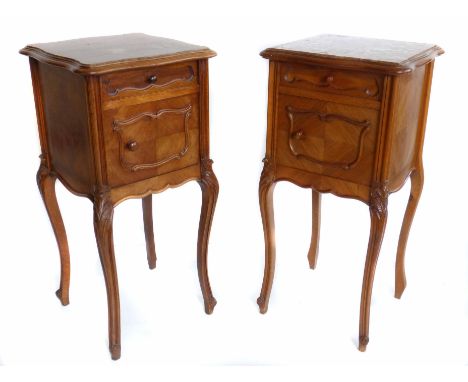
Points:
(132, 145)
(152, 79)
(329, 79)
(298, 134)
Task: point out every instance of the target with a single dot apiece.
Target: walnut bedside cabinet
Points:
(122, 117)
(346, 115)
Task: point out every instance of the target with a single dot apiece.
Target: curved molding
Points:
(294, 134)
(329, 81)
(321, 189)
(45, 171)
(115, 91)
(119, 125)
(153, 190)
(71, 189)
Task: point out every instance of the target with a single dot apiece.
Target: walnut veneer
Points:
(346, 115)
(122, 117)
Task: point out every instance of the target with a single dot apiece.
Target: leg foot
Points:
(378, 214)
(210, 305)
(363, 341)
(115, 351)
(46, 183)
(265, 193)
(417, 181)
(209, 186)
(262, 305)
(63, 299)
(103, 216)
(147, 204)
(314, 242)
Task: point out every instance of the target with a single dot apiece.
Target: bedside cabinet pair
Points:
(127, 116)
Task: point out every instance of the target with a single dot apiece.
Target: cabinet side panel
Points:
(66, 118)
(405, 129)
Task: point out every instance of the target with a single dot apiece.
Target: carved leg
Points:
(417, 181)
(314, 242)
(103, 215)
(378, 213)
(265, 193)
(147, 204)
(46, 183)
(209, 186)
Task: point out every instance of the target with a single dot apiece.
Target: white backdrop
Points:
(313, 316)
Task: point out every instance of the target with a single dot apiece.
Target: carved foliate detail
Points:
(208, 177)
(206, 167)
(268, 172)
(42, 173)
(103, 211)
(379, 198)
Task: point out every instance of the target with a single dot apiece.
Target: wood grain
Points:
(314, 241)
(166, 133)
(326, 80)
(65, 108)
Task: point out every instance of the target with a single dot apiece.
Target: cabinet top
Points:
(96, 55)
(387, 56)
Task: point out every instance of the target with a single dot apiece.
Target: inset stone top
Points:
(96, 55)
(391, 57)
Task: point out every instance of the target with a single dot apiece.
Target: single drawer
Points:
(326, 138)
(151, 139)
(141, 81)
(349, 83)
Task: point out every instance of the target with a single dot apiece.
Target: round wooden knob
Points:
(152, 79)
(298, 134)
(329, 78)
(132, 145)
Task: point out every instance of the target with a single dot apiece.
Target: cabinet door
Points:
(151, 139)
(326, 138)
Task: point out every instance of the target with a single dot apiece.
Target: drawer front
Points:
(326, 138)
(349, 83)
(138, 82)
(151, 139)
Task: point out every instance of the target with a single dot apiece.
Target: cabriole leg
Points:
(265, 193)
(46, 183)
(209, 186)
(417, 181)
(378, 214)
(103, 216)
